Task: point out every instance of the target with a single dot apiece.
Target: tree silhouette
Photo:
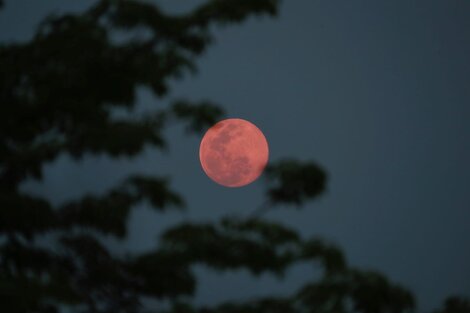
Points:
(58, 93)
(455, 305)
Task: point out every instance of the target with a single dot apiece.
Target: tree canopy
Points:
(58, 93)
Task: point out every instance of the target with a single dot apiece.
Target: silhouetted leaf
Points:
(222, 249)
(372, 292)
(331, 257)
(109, 213)
(294, 182)
(265, 305)
(455, 304)
(270, 232)
(200, 116)
(160, 274)
(232, 10)
(155, 190)
(324, 296)
(25, 214)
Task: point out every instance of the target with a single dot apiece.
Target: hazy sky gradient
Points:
(377, 92)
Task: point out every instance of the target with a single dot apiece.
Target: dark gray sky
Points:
(377, 92)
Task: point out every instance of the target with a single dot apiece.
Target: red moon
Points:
(233, 152)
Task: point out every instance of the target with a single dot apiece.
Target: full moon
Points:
(233, 152)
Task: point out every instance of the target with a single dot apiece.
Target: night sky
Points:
(376, 92)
